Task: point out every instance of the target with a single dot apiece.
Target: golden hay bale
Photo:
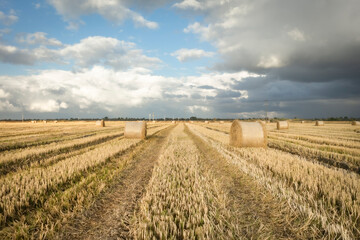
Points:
(135, 130)
(44, 121)
(248, 134)
(221, 121)
(55, 121)
(153, 121)
(191, 121)
(355, 123)
(100, 123)
(32, 121)
(206, 121)
(319, 123)
(302, 121)
(173, 122)
(282, 125)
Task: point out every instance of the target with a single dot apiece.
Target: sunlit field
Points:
(76, 180)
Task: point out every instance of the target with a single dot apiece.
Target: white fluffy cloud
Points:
(88, 52)
(38, 38)
(46, 106)
(97, 88)
(184, 54)
(8, 19)
(194, 108)
(113, 10)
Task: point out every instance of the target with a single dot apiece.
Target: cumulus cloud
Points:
(113, 10)
(88, 52)
(38, 38)
(100, 89)
(184, 54)
(189, 4)
(194, 108)
(46, 106)
(8, 19)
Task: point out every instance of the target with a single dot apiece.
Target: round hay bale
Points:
(173, 122)
(282, 125)
(248, 134)
(44, 121)
(55, 121)
(355, 123)
(100, 123)
(135, 130)
(319, 123)
(221, 121)
(302, 121)
(206, 122)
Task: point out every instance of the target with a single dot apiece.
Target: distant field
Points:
(75, 180)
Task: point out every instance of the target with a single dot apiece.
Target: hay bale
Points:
(221, 121)
(55, 121)
(319, 123)
(135, 130)
(282, 125)
(44, 121)
(355, 123)
(248, 134)
(32, 121)
(302, 121)
(173, 122)
(206, 122)
(153, 121)
(100, 123)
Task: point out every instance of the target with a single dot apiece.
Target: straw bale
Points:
(100, 123)
(248, 134)
(135, 130)
(319, 123)
(282, 125)
(355, 123)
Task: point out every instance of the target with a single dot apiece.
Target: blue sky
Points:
(205, 58)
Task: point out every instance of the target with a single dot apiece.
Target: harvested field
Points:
(74, 180)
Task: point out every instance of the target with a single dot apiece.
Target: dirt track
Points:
(109, 216)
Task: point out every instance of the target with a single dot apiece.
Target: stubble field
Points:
(74, 180)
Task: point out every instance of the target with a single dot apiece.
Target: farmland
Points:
(75, 180)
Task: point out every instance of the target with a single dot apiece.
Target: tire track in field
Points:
(258, 213)
(109, 217)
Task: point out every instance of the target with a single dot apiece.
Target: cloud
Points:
(46, 106)
(272, 37)
(85, 54)
(8, 19)
(297, 35)
(184, 54)
(112, 10)
(38, 38)
(189, 4)
(99, 89)
(13, 55)
(194, 108)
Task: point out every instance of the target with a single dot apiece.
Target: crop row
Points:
(329, 197)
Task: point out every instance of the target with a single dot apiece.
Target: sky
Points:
(180, 58)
